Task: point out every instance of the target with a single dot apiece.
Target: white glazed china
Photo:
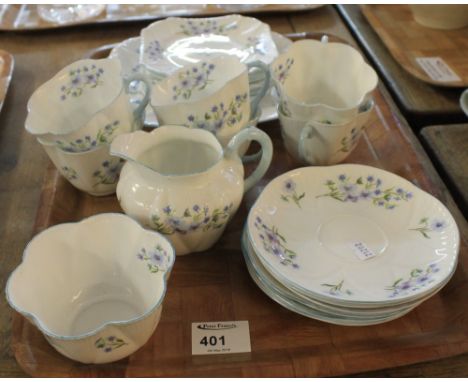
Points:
(84, 105)
(95, 300)
(307, 225)
(318, 309)
(180, 182)
(315, 78)
(315, 143)
(172, 43)
(94, 171)
(367, 312)
(128, 54)
(464, 102)
(212, 95)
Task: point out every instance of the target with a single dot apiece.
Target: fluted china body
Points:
(320, 80)
(76, 115)
(89, 306)
(321, 143)
(181, 183)
(213, 95)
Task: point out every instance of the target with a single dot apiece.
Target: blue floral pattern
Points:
(109, 171)
(275, 244)
(418, 279)
(347, 143)
(290, 193)
(425, 226)
(193, 219)
(195, 78)
(337, 289)
(104, 135)
(282, 70)
(80, 79)
(107, 344)
(156, 260)
(154, 50)
(69, 173)
(219, 115)
(365, 189)
(205, 26)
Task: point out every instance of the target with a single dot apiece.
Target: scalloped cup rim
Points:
(166, 83)
(48, 83)
(337, 299)
(370, 106)
(44, 329)
(356, 53)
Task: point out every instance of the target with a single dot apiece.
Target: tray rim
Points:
(48, 194)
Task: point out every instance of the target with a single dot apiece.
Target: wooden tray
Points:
(24, 17)
(407, 40)
(215, 286)
(6, 71)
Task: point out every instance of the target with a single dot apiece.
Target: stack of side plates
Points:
(349, 244)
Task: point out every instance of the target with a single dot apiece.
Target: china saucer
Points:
(353, 235)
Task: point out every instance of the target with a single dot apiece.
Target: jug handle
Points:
(252, 134)
(265, 86)
(138, 112)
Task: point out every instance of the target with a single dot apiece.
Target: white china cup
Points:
(76, 115)
(212, 95)
(94, 171)
(95, 300)
(319, 143)
(318, 80)
(85, 104)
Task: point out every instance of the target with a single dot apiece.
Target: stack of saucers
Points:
(349, 244)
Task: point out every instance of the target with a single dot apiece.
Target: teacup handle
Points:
(307, 133)
(252, 134)
(265, 86)
(138, 112)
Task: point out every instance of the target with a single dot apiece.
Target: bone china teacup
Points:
(94, 171)
(84, 105)
(212, 95)
(323, 79)
(321, 143)
(183, 184)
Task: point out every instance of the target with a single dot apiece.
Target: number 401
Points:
(212, 340)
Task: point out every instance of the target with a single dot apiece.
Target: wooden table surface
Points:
(448, 147)
(421, 103)
(23, 162)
